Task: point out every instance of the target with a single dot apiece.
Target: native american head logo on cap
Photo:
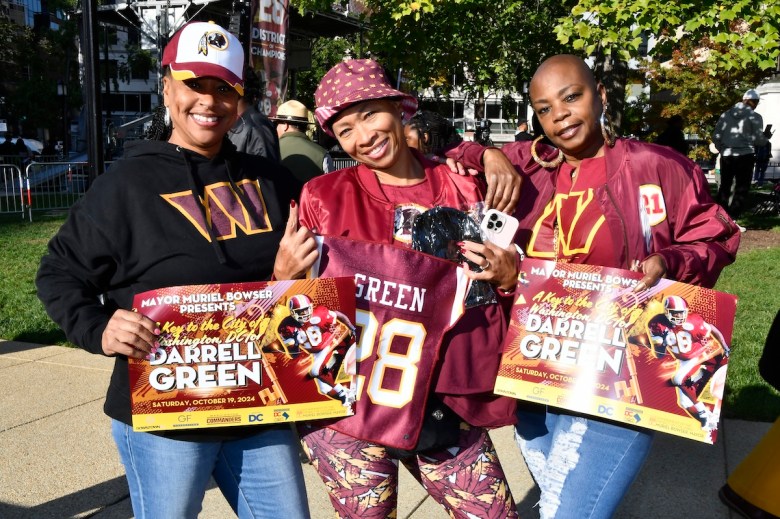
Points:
(213, 39)
(204, 49)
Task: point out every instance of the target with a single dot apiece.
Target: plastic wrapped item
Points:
(438, 231)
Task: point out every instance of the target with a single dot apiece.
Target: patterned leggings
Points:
(362, 481)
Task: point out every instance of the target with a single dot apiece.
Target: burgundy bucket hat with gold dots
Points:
(351, 82)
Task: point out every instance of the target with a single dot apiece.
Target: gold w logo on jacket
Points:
(225, 213)
(576, 238)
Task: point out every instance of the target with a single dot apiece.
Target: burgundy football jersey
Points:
(406, 301)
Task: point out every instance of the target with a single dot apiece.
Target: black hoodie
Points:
(139, 228)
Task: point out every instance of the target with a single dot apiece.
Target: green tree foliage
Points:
(33, 64)
(138, 62)
(326, 52)
(9, 36)
(32, 94)
(499, 42)
(711, 49)
(684, 86)
(739, 33)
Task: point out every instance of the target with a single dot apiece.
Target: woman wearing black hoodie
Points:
(185, 210)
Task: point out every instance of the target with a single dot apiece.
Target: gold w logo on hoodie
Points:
(225, 213)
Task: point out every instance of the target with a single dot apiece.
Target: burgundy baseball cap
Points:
(204, 49)
(354, 81)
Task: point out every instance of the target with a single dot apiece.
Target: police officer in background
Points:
(303, 157)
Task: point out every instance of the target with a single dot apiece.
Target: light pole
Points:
(62, 91)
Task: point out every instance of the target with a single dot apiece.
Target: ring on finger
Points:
(487, 264)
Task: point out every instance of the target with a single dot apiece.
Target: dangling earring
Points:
(607, 130)
(167, 117)
(545, 164)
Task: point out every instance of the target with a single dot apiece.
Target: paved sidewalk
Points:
(57, 458)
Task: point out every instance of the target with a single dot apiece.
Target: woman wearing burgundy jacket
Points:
(613, 202)
(371, 202)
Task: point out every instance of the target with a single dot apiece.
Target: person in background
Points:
(253, 132)
(7, 148)
(597, 199)
(153, 221)
(303, 157)
(673, 135)
(763, 154)
(49, 150)
(431, 134)
(737, 134)
(356, 104)
(21, 149)
(522, 132)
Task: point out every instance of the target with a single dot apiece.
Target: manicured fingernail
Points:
(292, 204)
(157, 331)
(463, 251)
(460, 244)
(149, 357)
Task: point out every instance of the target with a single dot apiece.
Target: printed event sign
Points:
(581, 339)
(246, 353)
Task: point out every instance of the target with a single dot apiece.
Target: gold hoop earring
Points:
(607, 130)
(545, 164)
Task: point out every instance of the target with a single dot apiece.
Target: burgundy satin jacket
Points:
(693, 234)
(350, 202)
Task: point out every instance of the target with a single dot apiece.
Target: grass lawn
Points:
(22, 244)
(754, 278)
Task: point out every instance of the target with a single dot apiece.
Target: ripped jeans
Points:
(583, 467)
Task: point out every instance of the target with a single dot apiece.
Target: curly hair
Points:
(440, 132)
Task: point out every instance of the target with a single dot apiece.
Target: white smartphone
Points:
(499, 228)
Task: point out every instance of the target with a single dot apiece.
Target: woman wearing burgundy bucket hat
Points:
(357, 105)
(153, 221)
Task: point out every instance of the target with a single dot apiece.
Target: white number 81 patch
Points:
(652, 200)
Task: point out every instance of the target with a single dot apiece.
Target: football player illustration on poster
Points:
(687, 337)
(329, 336)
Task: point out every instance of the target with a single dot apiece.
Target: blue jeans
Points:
(260, 475)
(583, 467)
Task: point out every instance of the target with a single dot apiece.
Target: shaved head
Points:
(569, 104)
(575, 68)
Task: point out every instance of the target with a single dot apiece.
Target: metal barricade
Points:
(12, 195)
(55, 185)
